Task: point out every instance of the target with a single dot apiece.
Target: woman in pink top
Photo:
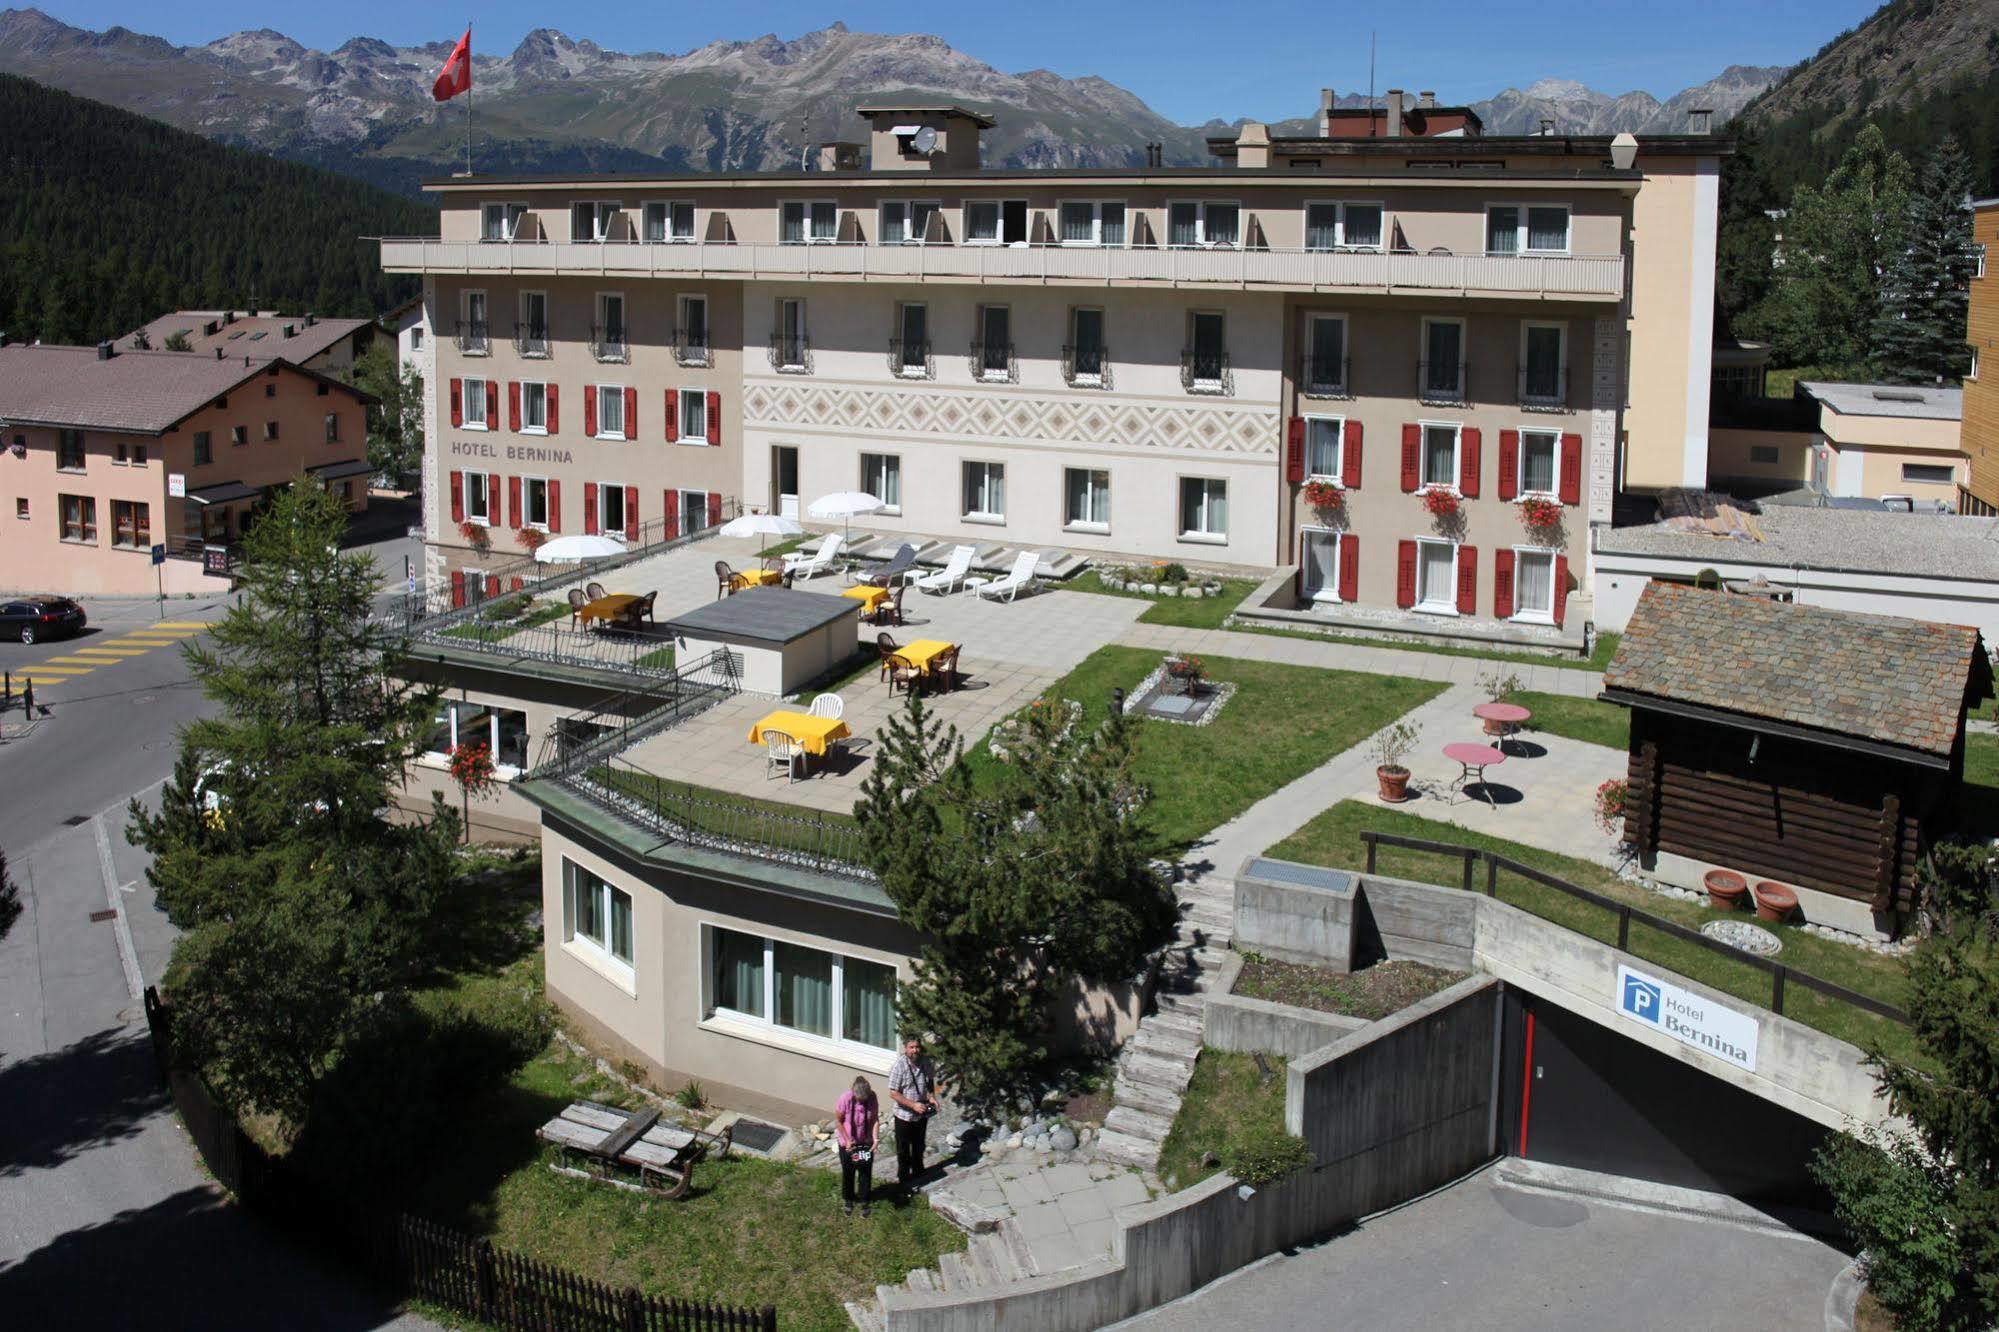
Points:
(857, 1121)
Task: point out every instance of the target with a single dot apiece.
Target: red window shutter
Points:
(1502, 585)
(672, 512)
(1561, 588)
(1349, 567)
(493, 497)
(514, 501)
(632, 509)
(457, 588)
(492, 585)
(1405, 574)
(590, 412)
(1294, 451)
(554, 489)
(672, 415)
(589, 508)
(457, 402)
(1509, 464)
(631, 413)
(1572, 469)
(518, 582)
(1467, 580)
(458, 497)
(553, 424)
(1412, 460)
(714, 417)
(514, 405)
(714, 507)
(1468, 462)
(1350, 457)
(492, 407)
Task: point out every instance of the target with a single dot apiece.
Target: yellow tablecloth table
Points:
(869, 597)
(923, 653)
(813, 734)
(754, 578)
(614, 607)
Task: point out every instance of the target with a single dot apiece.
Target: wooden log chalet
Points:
(1819, 748)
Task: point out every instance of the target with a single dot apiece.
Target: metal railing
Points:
(1325, 376)
(1205, 371)
(690, 347)
(993, 363)
(1430, 389)
(1552, 397)
(1779, 974)
(472, 337)
(607, 342)
(1086, 366)
(791, 353)
(909, 358)
(531, 339)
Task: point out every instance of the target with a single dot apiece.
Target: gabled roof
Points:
(1877, 678)
(136, 393)
(258, 335)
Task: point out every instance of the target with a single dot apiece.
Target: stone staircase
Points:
(993, 1258)
(1158, 1061)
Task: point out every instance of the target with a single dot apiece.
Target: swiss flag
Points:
(456, 76)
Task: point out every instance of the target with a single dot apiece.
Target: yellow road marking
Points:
(69, 661)
(54, 672)
(180, 624)
(157, 636)
(112, 653)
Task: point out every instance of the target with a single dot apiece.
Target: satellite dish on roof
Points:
(924, 140)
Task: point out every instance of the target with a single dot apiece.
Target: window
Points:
(1527, 229)
(909, 355)
(789, 345)
(669, 220)
(204, 451)
(531, 333)
(1087, 222)
(906, 221)
(881, 476)
(1202, 224)
(472, 328)
(478, 497)
(693, 511)
(500, 221)
(473, 406)
(416, 339)
(69, 450)
(1322, 447)
(271, 390)
(1440, 456)
(1534, 585)
(610, 411)
(1437, 576)
(21, 508)
(596, 917)
(239, 434)
(1086, 352)
(806, 990)
(1544, 364)
(693, 416)
(992, 354)
(1974, 365)
(131, 525)
(534, 500)
(1204, 364)
(534, 408)
(1322, 563)
(1978, 253)
(985, 492)
(800, 223)
(333, 427)
(1442, 372)
(79, 518)
(610, 507)
(607, 337)
(1343, 226)
(1539, 451)
(120, 458)
(1325, 370)
(1929, 474)
(1765, 453)
(592, 221)
(996, 222)
(270, 432)
(690, 336)
(1086, 498)
(1204, 509)
(504, 731)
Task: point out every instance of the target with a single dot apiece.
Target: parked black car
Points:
(33, 618)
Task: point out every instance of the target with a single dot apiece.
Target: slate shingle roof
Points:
(144, 393)
(1875, 677)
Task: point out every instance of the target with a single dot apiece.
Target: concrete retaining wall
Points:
(1236, 1023)
(1310, 922)
(1417, 921)
(1329, 918)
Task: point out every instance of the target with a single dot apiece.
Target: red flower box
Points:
(1440, 502)
(1538, 513)
(1324, 495)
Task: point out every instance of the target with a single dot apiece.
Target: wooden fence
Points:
(411, 1257)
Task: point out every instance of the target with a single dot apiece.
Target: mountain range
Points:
(562, 103)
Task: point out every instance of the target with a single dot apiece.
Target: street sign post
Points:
(159, 580)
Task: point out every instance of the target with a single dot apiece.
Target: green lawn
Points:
(660, 659)
(483, 630)
(1229, 1097)
(1978, 804)
(1183, 612)
(1577, 718)
(1333, 838)
(794, 826)
(1606, 647)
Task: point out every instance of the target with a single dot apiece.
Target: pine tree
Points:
(10, 899)
(1919, 335)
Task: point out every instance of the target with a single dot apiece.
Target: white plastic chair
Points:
(780, 750)
(800, 565)
(1020, 576)
(829, 705)
(952, 575)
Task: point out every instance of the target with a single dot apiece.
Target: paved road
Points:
(1484, 1254)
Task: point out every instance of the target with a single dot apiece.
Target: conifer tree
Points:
(10, 899)
(1919, 335)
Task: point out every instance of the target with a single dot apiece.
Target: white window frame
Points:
(912, 235)
(1329, 594)
(1973, 376)
(598, 956)
(999, 221)
(528, 483)
(681, 303)
(1200, 537)
(1457, 430)
(1339, 387)
(1520, 489)
(892, 463)
(1560, 397)
(1096, 526)
(1423, 355)
(1103, 342)
(1194, 342)
(601, 320)
(666, 207)
(691, 401)
(1096, 207)
(521, 317)
(700, 498)
(528, 427)
(1979, 271)
(799, 339)
(921, 368)
(1908, 480)
(466, 295)
(480, 484)
(965, 509)
(1340, 241)
(808, 210)
(872, 1058)
(603, 213)
(1524, 616)
(984, 372)
(515, 212)
(1449, 607)
(615, 392)
(1201, 239)
(470, 419)
(1521, 230)
(1339, 424)
(605, 489)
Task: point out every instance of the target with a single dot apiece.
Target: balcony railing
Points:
(791, 353)
(607, 342)
(1560, 277)
(1325, 376)
(909, 358)
(1205, 371)
(1443, 384)
(690, 347)
(1086, 366)
(993, 363)
(531, 340)
(1544, 392)
(472, 337)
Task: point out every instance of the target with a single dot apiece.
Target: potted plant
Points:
(530, 539)
(1324, 495)
(472, 768)
(1725, 889)
(1774, 902)
(1188, 670)
(1611, 798)
(1441, 502)
(474, 534)
(1391, 746)
(1539, 514)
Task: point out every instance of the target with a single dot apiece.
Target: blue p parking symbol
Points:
(1641, 999)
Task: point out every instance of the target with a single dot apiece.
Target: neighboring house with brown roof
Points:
(109, 453)
(1819, 748)
(309, 341)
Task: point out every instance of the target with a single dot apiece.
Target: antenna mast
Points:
(1370, 85)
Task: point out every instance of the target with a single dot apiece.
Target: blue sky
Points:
(1189, 61)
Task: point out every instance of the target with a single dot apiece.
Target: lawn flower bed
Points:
(1371, 993)
(506, 617)
(1234, 1104)
(1207, 606)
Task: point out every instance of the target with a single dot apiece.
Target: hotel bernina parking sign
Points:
(1688, 1018)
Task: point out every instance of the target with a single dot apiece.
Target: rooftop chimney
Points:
(218, 353)
(1326, 100)
(291, 330)
(1547, 128)
(1252, 145)
(1426, 100)
(310, 319)
(228, 316)
(104, 351)
(837, 155)
(1700, 120)
(1394, 113)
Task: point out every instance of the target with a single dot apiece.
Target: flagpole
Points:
(468, 97)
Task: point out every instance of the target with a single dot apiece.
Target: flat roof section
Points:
(775, 615)
(1923, 401)
(1920, 544)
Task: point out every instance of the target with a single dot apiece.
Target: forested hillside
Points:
(108, 218)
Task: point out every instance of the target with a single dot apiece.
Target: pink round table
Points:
(1506, 716)
(1473, 757)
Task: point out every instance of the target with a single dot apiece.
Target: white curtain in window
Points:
(1440, 456)
(1322, 226)
(1322, 446)
(1537, 462)
(792, 229)
(1223, 223)
(803, 986)
(611, 411)
(1111, 232)
(894, 225)
(1321, 552)
(739, 972)
(1078, 223)
(982, 220)
(1502, 230)
(1534, 584)
(655, 222)
(1547, 228)
(1436, 567)
(1363, 225)
(867, 1002)
(1182, 224)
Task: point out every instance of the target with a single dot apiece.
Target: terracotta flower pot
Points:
(1774, 902)
(1493, 727)
(1725, 889)
(1394, 783)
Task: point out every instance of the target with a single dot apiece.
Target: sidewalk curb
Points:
(1842, 1301)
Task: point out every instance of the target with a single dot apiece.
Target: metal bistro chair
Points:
(596, 591)
(889, 647)
(944, 670)
(780, 750)
(577, 601)
(725, 579)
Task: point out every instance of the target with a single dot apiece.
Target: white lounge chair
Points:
(801, 565)
(951, 576)
(1020, 576)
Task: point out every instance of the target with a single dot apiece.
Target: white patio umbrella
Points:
(568, 549)
(764, 526)
(845, 505)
